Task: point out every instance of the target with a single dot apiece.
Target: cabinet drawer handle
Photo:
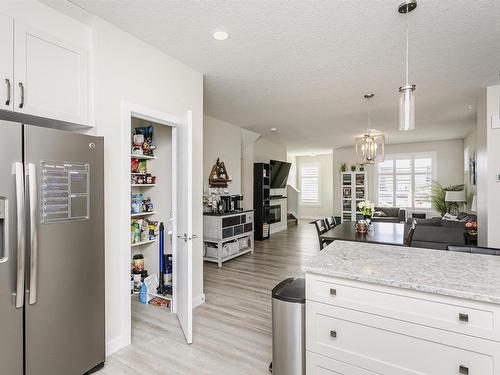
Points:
(21, 86)
(7, 82)
(333, 334)
(333, 291)
(463, 317)
(463, 370)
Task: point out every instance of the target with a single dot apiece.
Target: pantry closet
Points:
(151, 204)
(158, 148)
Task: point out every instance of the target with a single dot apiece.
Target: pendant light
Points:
(407, 92)
(370, 146)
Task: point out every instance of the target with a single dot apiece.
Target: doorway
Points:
(157, 149)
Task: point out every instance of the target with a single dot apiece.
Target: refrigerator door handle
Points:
(21, 222)
(6, 244)
(33, 200)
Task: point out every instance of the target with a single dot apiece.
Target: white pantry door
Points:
(183, 269)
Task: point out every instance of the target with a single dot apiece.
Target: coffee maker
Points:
(226, 203)
(237, 202)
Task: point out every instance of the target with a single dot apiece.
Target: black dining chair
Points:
(409, 238)
(320, 229)
(330, 222)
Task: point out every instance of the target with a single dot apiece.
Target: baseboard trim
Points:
(199, 300)
(116, 344)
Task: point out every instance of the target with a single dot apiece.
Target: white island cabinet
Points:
(375, 309)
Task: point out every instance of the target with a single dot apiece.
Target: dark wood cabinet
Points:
(261, 199)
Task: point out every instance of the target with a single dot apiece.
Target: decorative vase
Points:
(361, 227)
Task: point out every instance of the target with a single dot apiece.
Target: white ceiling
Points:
(303, 66)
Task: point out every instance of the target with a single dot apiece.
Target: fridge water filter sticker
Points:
(64, 191)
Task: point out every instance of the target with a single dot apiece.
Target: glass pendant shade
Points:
(407, 107)
(370, 148)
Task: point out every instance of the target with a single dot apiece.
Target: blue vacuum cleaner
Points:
(161, 285)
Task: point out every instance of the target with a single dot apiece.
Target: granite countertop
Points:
(462, 275)
(226, 213)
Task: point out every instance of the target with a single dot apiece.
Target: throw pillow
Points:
(450, 217)
(379, 214)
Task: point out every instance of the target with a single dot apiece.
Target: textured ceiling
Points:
(303, 66)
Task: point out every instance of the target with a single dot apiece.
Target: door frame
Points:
(130, 110)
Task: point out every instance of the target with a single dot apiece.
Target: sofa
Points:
(389, 215)
(438, 233)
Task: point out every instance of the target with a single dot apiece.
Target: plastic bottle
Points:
(143, 296)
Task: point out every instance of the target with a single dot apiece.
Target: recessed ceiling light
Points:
(273, 129)
(220, 35)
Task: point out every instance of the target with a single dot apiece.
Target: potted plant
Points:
(361, 167)
(438, 197)
(471, 228)
(353, 168)
(367, 209)
(343, 167)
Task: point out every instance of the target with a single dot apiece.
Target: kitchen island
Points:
(381, 309)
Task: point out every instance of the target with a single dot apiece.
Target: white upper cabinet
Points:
(51, 76)
(6, 62)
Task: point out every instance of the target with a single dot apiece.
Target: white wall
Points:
(493, 139)
(482, 170)
(127, 69)
(222, 140)
(265, 150)
(325, 208)
(470, 144)
(450, 166)
(248, 139)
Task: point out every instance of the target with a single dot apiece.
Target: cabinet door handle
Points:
(333, 291)
(463, 370)
(21, 86)
(7, 82)
(333, 334)
(463, 317)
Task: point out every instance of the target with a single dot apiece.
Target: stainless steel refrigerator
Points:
(51, 251)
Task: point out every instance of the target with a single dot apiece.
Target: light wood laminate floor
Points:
(232, 330)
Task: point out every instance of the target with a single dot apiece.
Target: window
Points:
(405, 181)
(309, 183)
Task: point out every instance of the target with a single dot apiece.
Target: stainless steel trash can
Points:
(288, 306)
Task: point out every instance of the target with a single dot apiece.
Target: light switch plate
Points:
(498, 177)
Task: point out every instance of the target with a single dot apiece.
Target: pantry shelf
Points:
(142, 157)
(142, 243)
(141, 214)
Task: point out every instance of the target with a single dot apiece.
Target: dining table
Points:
(379, 233)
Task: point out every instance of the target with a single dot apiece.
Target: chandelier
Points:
(370, 146)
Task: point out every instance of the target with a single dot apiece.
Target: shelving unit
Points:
(261, 200)
(142, 243)
(160, 193)
(142, 157)
(221, 230)
(142, 214)
(354, 190)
